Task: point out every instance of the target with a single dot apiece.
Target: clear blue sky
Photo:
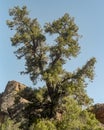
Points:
(89, 16)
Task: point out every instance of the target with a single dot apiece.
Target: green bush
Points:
(9, 125)
(43, 125)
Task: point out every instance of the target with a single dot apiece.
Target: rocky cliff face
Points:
(8, 96)
(8, 108)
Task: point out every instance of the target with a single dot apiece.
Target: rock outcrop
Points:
(8, 96)
(98, 110)
(8, 107)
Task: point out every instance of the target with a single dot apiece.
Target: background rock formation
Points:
(8, 96)
(8, 108)
(98, 110)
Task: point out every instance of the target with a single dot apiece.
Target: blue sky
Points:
(88, 16)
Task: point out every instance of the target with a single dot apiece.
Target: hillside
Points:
(13, 104)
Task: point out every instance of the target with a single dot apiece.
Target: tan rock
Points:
(9, 94)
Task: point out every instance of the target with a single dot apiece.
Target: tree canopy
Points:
(45, 61)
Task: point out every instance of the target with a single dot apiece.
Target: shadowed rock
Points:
(8, 96)
(98, 110)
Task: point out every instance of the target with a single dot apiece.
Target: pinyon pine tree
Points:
(63, 97)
